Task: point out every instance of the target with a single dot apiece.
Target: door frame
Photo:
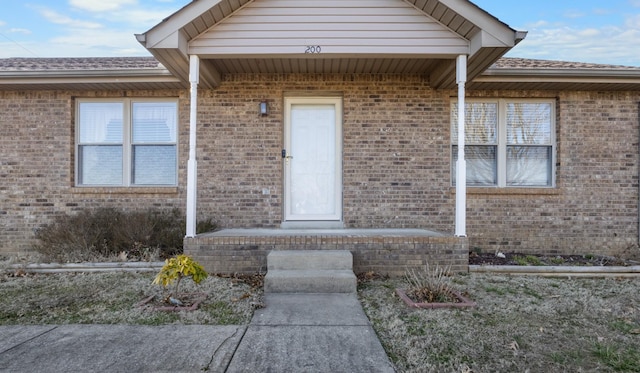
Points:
(312, 221)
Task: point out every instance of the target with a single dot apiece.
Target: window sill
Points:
(511, 191)
(124, 190)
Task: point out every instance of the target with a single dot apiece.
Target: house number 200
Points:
(313, 49)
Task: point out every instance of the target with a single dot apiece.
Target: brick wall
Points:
(395, 150)
(37, 166)
(594, 209)
(396, 157)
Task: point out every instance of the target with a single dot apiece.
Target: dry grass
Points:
(521, 324)
(111, 298)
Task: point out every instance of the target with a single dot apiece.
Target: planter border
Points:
(559, 271)
(464, 301)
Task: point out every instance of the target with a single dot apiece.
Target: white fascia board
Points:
(62, 80)
(177, 21)
(484, 40)
(176, 40)
(500, 31)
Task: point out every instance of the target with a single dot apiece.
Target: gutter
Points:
(116, 73)
(583, 76)
(93, 77)
(559, 271)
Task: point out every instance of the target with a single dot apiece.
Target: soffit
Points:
(360, 36)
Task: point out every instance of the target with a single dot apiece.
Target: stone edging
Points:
(559, 271)
(88, 267)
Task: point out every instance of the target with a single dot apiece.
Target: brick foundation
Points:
(380, 251)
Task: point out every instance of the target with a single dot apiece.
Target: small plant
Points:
(618, 357)
(529, 260)
(177, 268)
(557, 260)
(430, 286)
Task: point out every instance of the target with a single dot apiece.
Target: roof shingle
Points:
(526, 63)
(79, 64)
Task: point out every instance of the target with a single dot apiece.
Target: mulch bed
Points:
(476, 258)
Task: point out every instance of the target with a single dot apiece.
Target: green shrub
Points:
(529, 260)
(177, 268)
(106, 232)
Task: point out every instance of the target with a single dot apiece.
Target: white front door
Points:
(313, 162)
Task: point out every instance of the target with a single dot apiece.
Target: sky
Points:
(606, 32)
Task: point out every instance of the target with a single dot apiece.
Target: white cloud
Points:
(2, 23)
(635, 3)
(589, 33)
(632, 22)
(20, 31)
(607, 44)
(101, 5)
(65, 20)
(88, 43)
(540, 23)
(86, 30)
(572, 13)
(141, 19)
(603, 12)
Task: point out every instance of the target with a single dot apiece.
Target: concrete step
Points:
(310, 281)
(309, 259)
(310, 271)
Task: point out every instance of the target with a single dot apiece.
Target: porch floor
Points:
(279, 232)
(382, 250)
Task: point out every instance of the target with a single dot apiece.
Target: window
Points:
(126, 142)
(508, 143)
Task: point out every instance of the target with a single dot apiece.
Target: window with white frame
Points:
(126, 142)
(508, 142)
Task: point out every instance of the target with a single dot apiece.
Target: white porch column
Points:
(192, 165)
(461, 165)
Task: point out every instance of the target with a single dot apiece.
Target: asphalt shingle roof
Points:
(79, 64)
(526, 63)
(145, 63)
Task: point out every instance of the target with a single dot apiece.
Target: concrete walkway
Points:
(293, 333)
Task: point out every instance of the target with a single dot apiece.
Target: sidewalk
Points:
(293, 333)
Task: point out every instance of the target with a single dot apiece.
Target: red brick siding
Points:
(594, 208)
(396, 161)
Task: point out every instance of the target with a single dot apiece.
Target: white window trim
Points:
(501, 146)
(126, 141)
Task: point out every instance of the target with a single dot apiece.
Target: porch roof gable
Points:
(343, 36)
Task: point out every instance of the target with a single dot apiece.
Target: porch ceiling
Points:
(355, 36)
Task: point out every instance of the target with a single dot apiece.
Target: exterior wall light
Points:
(264, 108)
